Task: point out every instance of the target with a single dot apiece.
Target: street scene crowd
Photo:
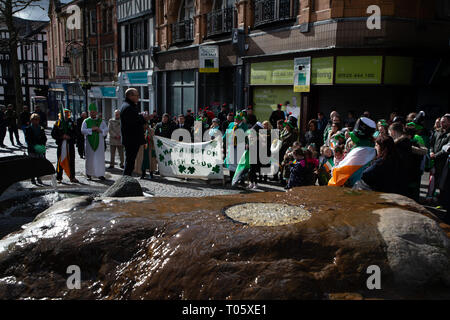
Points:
(384, 155)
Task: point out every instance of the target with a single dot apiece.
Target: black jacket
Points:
(441, 139)
(251, 120)
(58, 132)
(32, 139)
(189, 121)
(132, 124)
(25, 118)
(165, 130)
(276, 116)
(3, 121)
(410, 167)
(385, 176)
(222, 116)
(44, 120)
(80, 136)
(313, 137)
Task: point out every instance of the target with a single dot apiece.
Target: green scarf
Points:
(94, 139)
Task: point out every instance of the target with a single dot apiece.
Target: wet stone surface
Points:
(172, 248)
(267, 214)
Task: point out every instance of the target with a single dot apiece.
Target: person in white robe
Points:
(95, 130)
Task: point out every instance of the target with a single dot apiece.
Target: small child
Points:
(326, 165)
(338, 155)
(313, 149)
(298, 170)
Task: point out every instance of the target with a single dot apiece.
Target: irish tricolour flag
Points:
(64, 160)
(352, 167)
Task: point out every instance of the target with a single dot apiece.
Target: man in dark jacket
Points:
(65, 130)
(80, 136)
(223, 114)
(24, 118)
(189, 119)
(42, 116)
(36, 140)
(165, 128)
(437, 152)
(404, 149)
(251, 118)
(11, 118)
(132, 126)
(224, 125)
(277, 115)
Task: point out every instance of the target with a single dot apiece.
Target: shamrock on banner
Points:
(189, 160)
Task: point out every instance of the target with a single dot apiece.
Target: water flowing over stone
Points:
(172, 248)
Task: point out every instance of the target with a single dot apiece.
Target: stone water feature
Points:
(316, 243)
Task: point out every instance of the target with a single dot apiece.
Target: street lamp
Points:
(67, 62)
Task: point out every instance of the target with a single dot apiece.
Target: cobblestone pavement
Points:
(160, 187)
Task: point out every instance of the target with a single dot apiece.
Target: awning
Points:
(56, 87)
(136, 78)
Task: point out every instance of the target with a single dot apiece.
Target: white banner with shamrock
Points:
(189, 160)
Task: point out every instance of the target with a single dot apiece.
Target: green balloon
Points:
(40, 149)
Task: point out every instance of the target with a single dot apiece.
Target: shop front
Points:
(272, 83)
(197, 77)
(379, 84)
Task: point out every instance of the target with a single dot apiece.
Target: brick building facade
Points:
(401, 66)
(89, 52)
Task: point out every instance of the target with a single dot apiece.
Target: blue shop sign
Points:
(109, 92)
(137, 78)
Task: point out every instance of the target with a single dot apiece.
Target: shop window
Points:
(181, 91)
(188, 98)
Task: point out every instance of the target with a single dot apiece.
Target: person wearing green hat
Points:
(64, 133)
(95, 130)
(350, 170)
(287, 137)
(382, 128)
(231, 137)
(36, 140)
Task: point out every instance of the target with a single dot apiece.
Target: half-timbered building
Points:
(32, 54)
(135, 28)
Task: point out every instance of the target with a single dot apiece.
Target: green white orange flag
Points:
(329, 165)
(242, 168)
(64, 159)
(352, 167)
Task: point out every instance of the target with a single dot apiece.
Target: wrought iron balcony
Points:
(220, 21)
(268, 11)
(182, 31)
